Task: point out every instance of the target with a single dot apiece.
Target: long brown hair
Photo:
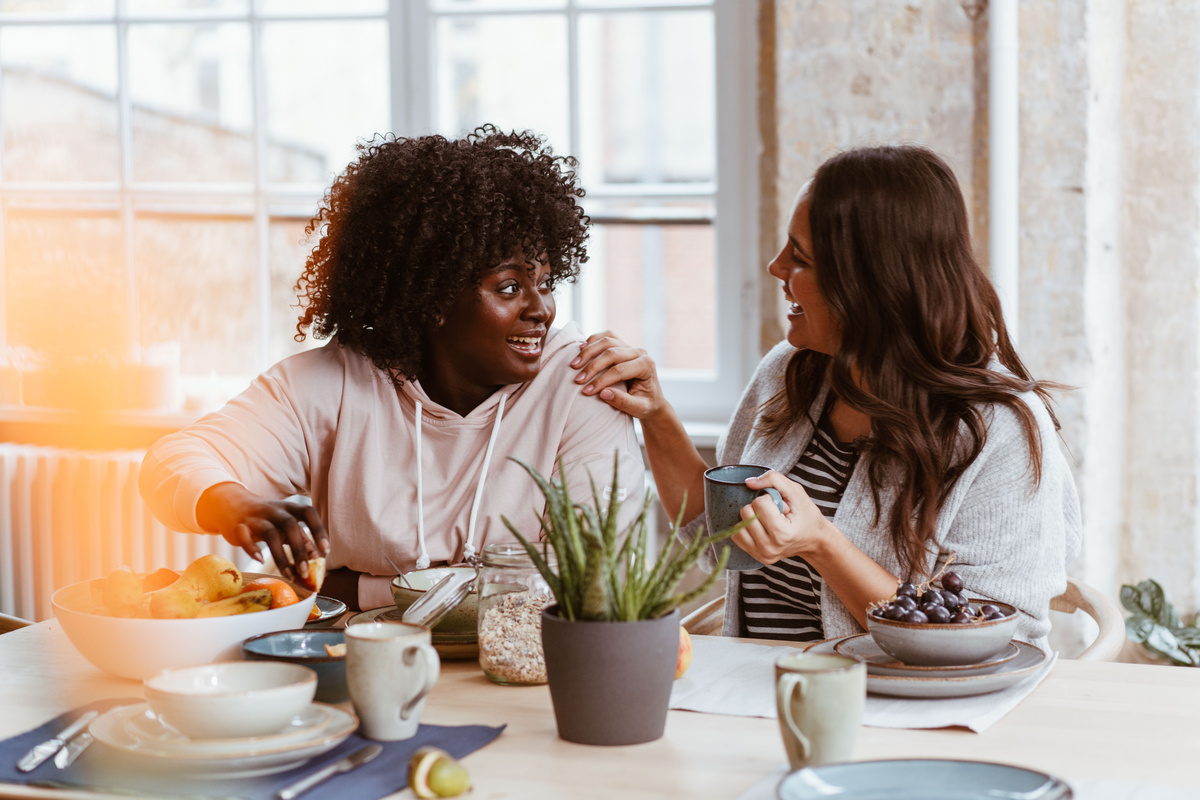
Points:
(920, 324)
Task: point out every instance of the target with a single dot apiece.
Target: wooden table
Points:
(1129, 722)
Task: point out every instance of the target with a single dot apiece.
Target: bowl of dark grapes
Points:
(937, 624)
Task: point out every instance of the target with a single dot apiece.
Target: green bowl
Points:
(410, 587)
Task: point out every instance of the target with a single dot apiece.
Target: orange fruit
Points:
(281, 593)
(314, 614)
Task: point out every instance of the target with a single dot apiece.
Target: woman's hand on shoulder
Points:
(622, 376)
(244, 520)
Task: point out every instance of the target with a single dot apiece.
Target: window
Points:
(159, 160)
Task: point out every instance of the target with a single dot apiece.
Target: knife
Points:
(66, 757)
(355, 759)
(34, 758)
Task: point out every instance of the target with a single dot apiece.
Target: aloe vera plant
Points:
(604, 575)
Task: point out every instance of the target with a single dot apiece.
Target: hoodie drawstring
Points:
(469, 545)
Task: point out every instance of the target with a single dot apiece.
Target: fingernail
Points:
(589, 389)
(607, 394)
(325, 547)
(303, 569)
(257, 556)
(576, 362)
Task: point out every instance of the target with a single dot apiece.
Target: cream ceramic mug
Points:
(820, 702)
(390, 667)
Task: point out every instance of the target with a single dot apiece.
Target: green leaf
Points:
(1149, 600)
(1163, 641)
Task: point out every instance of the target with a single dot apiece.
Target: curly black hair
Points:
(414, 222)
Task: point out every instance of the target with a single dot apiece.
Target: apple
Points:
(684, 659)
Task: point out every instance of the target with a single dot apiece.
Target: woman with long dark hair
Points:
(899, 423)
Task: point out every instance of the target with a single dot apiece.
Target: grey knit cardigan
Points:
(1012, 539)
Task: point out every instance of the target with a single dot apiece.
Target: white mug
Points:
(390, 667)
(820, 702)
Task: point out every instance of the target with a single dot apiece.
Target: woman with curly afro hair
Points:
(433, 280)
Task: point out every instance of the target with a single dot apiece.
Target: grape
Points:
(960, 618)
(905, 602)
(907, 590)
(895, 612)
(932, 597)
(952, 600)
(938, 614)
(916, 617)
(952, 581)
(879, 611)
(987, 609)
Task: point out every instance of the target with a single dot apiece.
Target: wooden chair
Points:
(1079, 596)
(10, 623)
(706, 620)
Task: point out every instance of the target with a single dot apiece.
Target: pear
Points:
(432, 773)
(123, 592)
(206, 580)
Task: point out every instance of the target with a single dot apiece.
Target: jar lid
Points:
(513, 554)
(442, 598)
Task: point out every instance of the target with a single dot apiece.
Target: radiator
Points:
(68, 515)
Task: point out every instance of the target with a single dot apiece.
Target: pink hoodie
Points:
(326, 423)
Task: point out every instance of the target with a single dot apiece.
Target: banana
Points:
(245, 603)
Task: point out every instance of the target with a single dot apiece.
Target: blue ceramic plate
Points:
(921, 779)
(306, 647)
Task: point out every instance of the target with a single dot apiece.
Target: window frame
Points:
(412, 67)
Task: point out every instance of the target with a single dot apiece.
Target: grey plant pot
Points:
(610, 682)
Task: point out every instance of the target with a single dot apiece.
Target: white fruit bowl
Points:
(139, 648)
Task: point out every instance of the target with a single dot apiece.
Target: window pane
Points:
(66, 287)
(155, 7)
(484, 76)
(60, 111)
(289, 249)
(318, 108)
(196, 288)
(635, 3)
(493, 5)
(658, 284)
(298, 7)
(65, 7)
(647, 97)
(192, 98)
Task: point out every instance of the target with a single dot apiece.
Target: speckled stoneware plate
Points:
(863, 648)
(921, 779)
(331, 608)
(447, 645)
(1028, 660)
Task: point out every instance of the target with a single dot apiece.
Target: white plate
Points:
(1027, 662)
(160, 748)
(152, 734)
(921, 779)
(863, 648)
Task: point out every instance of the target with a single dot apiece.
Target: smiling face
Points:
(812, 324)
(491, 336)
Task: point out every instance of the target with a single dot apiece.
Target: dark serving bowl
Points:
(307, 647)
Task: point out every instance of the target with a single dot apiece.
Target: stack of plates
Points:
(448, 645)
(887, 676)
(134, 731)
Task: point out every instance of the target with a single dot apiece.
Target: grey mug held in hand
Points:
(390, 667)
(725, 492)
(820, 701)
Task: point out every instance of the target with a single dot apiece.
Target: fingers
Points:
(241, 537)
(638, 407)
(317, 528)
(791, 491)
(265, 531)
(595, 344)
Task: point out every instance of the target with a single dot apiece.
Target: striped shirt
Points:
(783, 600)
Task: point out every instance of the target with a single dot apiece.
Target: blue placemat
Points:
(97, 769)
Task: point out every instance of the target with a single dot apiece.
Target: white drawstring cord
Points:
(422, 553)
(469, 547)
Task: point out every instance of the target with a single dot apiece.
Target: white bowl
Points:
(237, 699)
(139, 648)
